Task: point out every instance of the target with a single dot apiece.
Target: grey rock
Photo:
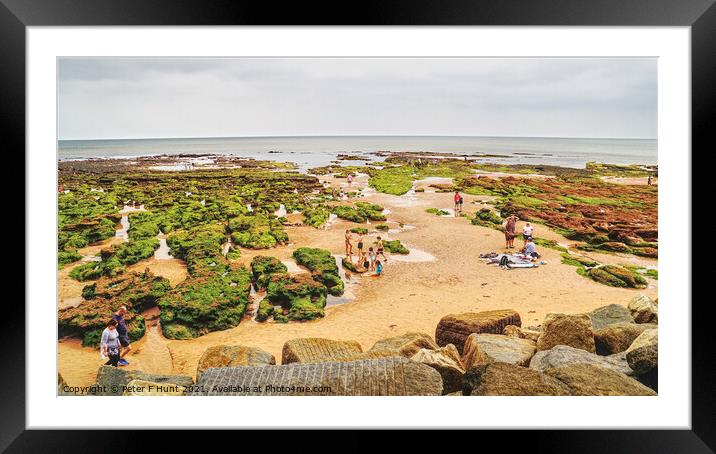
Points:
(562, 355)
(609, 315)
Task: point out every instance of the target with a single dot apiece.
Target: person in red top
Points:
(458, 203)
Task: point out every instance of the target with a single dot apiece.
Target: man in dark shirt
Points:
(123, 335)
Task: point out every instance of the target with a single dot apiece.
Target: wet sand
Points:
(410, 296)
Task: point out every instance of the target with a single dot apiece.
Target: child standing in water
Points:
(349, 245)
(371, 257)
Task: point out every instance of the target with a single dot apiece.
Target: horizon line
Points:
(353, 135)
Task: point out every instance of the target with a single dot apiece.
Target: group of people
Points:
(114, 344)
(369, 259)
(528, 247)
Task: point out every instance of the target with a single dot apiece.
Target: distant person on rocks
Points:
(526, 233)
(109, 344)
(349, 245)
(123, 334)
(510, 226)
(529, 250)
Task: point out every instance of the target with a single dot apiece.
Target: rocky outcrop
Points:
(643, 354)
(455, 328)
(393, 376)
(643, 309)
(618, 337)
(111, 381)
(147, 388)
(405, 345)
(233, 355)
(496, 348)
(501, 379)
(592, 380)
(562, 329)
(522, 333)
(447, 362)
(355, 267)
(318, 350)
(562, 355)
(609, 315)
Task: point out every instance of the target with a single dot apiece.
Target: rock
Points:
(643, 354)
(562, 355)
(233, 355)
(618, 337)
(563, 329)
(455, 328)
(353, 266)
(317, 350)
(393, 376)
(112, 380)
(147, 388)
(609, 315)
(502, 379)
(405, 345)
(522, 333)
(62, 389)
(643, 309)
(447, 362)
(496, 348)
(592, 380)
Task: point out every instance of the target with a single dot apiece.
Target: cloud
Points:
(201, 97)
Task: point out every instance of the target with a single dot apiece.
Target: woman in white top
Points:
(109, 344)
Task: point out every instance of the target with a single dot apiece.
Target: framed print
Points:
(444, 225)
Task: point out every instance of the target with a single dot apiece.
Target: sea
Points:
(314, 151)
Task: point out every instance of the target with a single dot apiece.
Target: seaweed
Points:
(263, 267)
(395, 247)
(323, 266)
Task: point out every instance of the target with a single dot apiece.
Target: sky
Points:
(109, 98)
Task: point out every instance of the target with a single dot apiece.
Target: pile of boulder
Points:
(612, 351)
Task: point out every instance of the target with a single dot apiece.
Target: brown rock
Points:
(644, 310)
(562, 329)
(502, 379)
(233, 355)
(405, 345)
(618, 337)
(496, 348)
(447, 362)
(592, 380)
(455, 328)
(522, 333)
(317, 350)
(643, 354)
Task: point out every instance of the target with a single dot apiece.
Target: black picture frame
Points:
(700, 15)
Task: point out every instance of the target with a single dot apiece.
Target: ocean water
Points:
(309, 152)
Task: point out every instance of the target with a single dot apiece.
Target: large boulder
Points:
(562, 355)
(112, 381)
(643, 309)
(502, 379)
(562, 329)
(318, 350)
(148, 388)
(455, 328)
(522, 333)
(447, 362)
(643, 354)
(233, 355)
(496, 348)
(393, 376)
(592, 380)
(618, 337)
(405, 345)
(609, 315)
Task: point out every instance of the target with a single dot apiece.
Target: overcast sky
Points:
(211, 97)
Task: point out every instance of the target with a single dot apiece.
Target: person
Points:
(458, 203)
(379, 249)
(123, 335)
(648, 180)
(526, 233)
(510, 232)
(350, 179)
(109, 343)
(364, 260)
(529, 250)
(360, 244)
(378, 267)
(349, 245)
(371, 257)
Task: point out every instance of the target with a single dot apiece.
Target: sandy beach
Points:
(442, 275)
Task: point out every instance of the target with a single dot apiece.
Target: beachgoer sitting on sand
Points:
(109, 343)
(380, 250)
(529, 250)
(371, 257)
(349, 245)
(526, 233)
